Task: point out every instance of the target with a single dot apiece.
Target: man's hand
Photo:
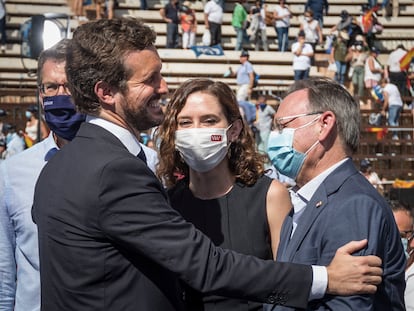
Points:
(353, 275)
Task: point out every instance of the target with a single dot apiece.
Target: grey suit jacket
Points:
(108, 239)
(347, 207)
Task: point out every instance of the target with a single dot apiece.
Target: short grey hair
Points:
(324, 94)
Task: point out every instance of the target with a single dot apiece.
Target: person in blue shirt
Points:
(19, 260)
(244, 77)
(14, 142)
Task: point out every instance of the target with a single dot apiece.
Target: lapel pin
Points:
(318, 204)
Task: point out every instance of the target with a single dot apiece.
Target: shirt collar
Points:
(308, 190)
(50, 146)
(125, 136)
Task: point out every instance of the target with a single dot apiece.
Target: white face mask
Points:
(202, 148)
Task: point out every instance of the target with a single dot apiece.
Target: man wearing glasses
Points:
(316, 131)
(19, 258)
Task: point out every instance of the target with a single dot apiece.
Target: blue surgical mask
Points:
(61, 116)
(28, 114)
(283, 156)
(404, 242)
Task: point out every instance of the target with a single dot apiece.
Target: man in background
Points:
(19, 258)
(170, 14)
(213, 18)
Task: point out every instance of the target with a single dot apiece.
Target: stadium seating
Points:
(392, 159)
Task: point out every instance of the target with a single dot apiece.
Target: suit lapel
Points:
(285, 237)
(310, 214)
(315, 206)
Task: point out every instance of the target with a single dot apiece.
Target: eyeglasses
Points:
(52, 89)
(280, 126)
(407, 234)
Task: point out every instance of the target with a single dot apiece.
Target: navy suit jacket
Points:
(347, 207)
(109, 240)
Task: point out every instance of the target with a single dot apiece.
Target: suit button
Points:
(271, 299)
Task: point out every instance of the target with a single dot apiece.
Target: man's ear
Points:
(105, 93)
(327, 122)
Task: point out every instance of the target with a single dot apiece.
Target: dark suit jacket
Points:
(108, 237)
(347, 207)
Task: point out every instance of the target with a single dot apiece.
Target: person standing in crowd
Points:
(263, 123)
(14, 142)
(170, 14)
(365, 167)
(188, 25)
(358, 57)
(393, 104)
(107, 234)
(224, 192)
(319, 8)
(344, 24)
(282, 16)
(393, 70)
(316, 132)
(3, 33)
(404, 219)
(258, 26)
(312, 29)
(213, 18)
(19, 258)
(244, 77)
(373, 70)
(302, 54)
(339, 55)
(368, 20)
(239, 22)
(33, 125)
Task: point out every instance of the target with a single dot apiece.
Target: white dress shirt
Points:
(128, 140)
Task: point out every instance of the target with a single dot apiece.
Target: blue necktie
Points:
(51, 153)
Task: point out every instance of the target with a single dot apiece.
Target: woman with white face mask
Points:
(312, 29)
(216, 178)
(32, 125)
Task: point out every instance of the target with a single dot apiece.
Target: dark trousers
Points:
(172, 35)
(3, 30)
(301, 74)
(399, 79)
(215, 32)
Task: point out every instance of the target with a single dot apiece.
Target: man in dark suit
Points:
(332, 201)
(108, 239)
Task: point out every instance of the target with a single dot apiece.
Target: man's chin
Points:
(157, 116)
